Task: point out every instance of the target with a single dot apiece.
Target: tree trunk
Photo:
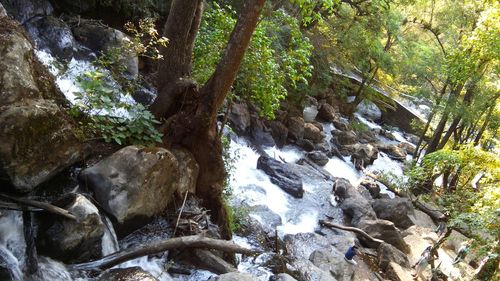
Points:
(485, 124)
(190, 113)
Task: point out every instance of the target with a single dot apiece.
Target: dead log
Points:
(41, 205)
(194, 241)
(212, 262)
(356, 230)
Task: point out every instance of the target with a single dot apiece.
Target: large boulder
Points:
(398, 210)
(260, 134)
(344, 137)
(295, 127)
(3, 12)
(127, 274)
(240, 117)
(134, 183)
(318, 157)
(388, 253)
(386, 231)
(190, 170)
(281, 175)
(396, 272)
(72, 240)
(37, 139)
(408, 147)
(364, 155)
(352, 202)
(305, 270)
(54, 35)
(313, 133)
(282, 277)
(302, 245)
(372, 187)
(333, 262)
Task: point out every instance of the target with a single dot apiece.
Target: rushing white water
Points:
(343, 169)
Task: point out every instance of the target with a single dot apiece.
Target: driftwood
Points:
(194, 241)
(42, 205)
(356, 230)
(214, 263)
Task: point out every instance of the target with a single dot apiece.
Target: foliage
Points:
(105, 96)
(359, 126)
(99, 99)
(277, 59)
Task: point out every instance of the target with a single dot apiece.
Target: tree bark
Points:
(358, 231)
(42, 205)
(184, 242)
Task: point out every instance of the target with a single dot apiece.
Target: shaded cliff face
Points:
(37, 137)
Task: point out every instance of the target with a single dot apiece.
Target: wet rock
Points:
(386, 231)
(364, 155)
(68, 240)
(353, 204)
(54, 35)
(49, 269)
(324, 146)
(305, 270)
(234, 276)
(369, 110)
(9, 265)
(367, 136)
(398, 210)
(282, 277)
(100, 38)
(372, 187)
(326, 112)
(295, 127)
(412, 138)
(240, 117)
(279, 133)
(302, 245)
(408, 147)
(260, 134)
(318, 157)
(313, 133)
(344, 137)
(24, 10)
(127, 274)
(333, 262)
(189, 175)
(340, 124)
(397, 273)
(281, 175)
(37, 139)
(393, 151)
(388, 253)
(307, 145)
(134, 183)
(145, 95)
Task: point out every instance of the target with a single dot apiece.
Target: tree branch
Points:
(194, 241)
(352, 229)
(42, 205)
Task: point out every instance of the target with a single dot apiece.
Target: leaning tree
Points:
(189, 111)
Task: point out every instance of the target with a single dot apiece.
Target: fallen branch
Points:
(41, 205)
(384, 182)
(194, 241)
(356, 230)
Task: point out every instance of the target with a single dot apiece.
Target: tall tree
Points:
(189, 112)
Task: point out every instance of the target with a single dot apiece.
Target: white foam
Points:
(343, 169)
(307, 222)
(367, 122)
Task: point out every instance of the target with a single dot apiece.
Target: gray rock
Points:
(127, 274)
(424, 220)
(134, 183)
(281, 175)
(388, 253)
(295, 127)
(344, 137)
(235, 276)
(305, 270)
(3, 12)
(393, 151)
(240, 117)
(282, 277)
(397, 273)
(333, 262)
(53, 34)
(260, 134)
(352, 202)
(408, 147)
(386, 231)
(318, 157)
(25, 10)
(340, 124)
(37, 139)
(189, 175)
(364, 155)
(68, 240)
(398, 210)
(372, 187)
(307, 145)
